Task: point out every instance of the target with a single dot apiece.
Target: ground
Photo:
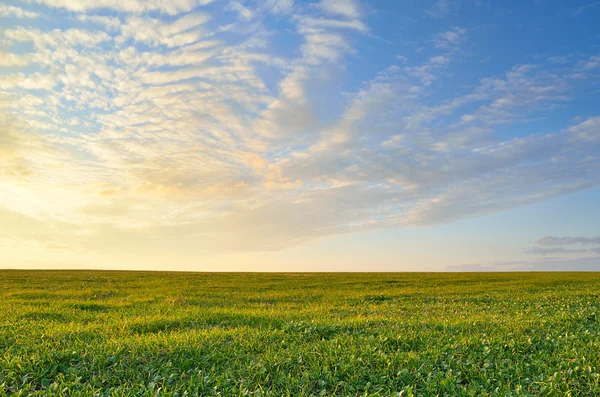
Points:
(84, 333)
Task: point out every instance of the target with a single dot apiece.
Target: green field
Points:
(90, 333)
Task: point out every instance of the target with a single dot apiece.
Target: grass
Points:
(89, 333)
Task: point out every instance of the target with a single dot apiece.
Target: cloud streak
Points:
(565, 241)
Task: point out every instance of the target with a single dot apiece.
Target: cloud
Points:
(547, 265)
(36, 81)
(13, 164)
(57, 38)
(12, 11)
(111, 23)
(243, 12)
(588, 131)
(170, 7)
(184, 31)
(21, 153)
(12, 60)
(565, 241)
(356, 24)
(450, 38)
(276, 6)
(564, 253)
(323, 47)
(440, 9)
(345, 8)
(544, 251)
(582, 9)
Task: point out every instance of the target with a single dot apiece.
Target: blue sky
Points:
(282, 135)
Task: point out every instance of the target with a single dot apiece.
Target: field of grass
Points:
(187, 334)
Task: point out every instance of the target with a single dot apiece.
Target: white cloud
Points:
(184, 31)
(12, 11)
(587, 131)
(243, 12)
(171, 7)
(111, 23)
(356, 24)
(36, 81)
(345, 8)
(57, 38)
(12, 60)
(451, 38)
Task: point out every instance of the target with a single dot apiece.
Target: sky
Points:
(296, 135)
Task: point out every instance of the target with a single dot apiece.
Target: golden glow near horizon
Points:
(208, 135)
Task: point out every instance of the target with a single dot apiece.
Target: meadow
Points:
(88, 333)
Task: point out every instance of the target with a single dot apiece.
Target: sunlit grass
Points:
(176, 334)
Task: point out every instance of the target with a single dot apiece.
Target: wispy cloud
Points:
(544, 251)
(559, 253)
(345, 8)
(565, 241)
(586, 7)
(590, 264)
(549, 253)
(439, 9)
